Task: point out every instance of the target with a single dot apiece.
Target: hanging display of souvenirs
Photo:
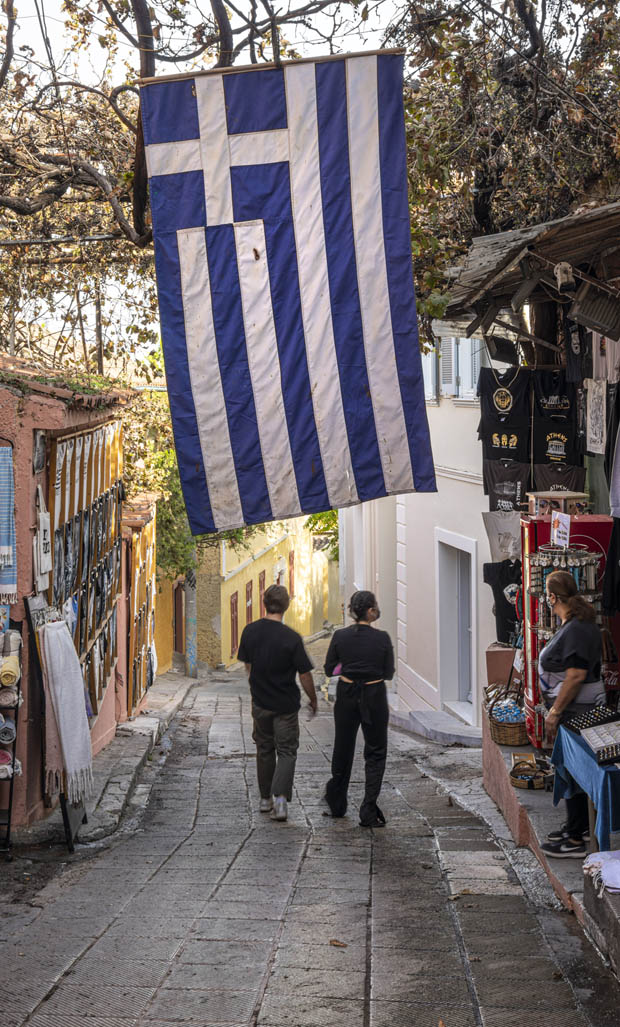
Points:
(85, 512)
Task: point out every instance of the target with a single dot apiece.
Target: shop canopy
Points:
(576, 257)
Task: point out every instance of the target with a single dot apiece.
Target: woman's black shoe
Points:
(565, 849)
(562, 834)
(377, 821)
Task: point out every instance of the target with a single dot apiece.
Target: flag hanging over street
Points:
(283, 257)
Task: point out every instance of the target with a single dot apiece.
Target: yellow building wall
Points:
(208, 605)
(164, 624)
(269, 552)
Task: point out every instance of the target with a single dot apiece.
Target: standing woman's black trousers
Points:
(366, 705)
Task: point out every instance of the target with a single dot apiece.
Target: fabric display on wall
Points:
(559, 478)
(8, 546)
(505, 580)
(67, 733)
(504, 394)
(504, 534)
(554, 441)
(10, 669)
(506, 483)
(605, 358)
(554, 395)
(85, 508)
(8, 732)
(596, 415)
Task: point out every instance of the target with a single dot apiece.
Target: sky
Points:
(92, 62)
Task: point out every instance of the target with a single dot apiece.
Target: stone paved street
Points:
(204, 912)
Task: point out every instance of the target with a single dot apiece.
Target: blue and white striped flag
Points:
(282, 247)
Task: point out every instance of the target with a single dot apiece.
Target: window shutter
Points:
(476, 363)
(447, 367)
(429, 371)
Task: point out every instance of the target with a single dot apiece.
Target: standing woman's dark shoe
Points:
(367, 659)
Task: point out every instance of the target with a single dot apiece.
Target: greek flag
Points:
(283, 257)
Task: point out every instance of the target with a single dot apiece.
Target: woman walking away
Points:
(570, 679)
(366, 657)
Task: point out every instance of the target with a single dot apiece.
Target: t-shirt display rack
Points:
(85, 504)
(531, 435)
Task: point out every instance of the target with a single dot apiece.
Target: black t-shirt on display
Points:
(505, 441)
(366, 653)
(554, 442)
(506, 483)
(559, 478)
(555, 397)
(504, 394)
(505, 581)
(276, 654)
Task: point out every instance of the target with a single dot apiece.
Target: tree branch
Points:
(226, 37)
(9, 9)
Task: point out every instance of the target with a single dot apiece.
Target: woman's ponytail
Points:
(563, 585)
(360, 603)
(580, 609)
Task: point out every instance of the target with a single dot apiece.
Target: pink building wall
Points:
(57, 411)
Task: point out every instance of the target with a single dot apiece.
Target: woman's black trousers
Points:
(366, 705)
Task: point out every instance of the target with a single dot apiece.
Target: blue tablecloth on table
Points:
(575, 762)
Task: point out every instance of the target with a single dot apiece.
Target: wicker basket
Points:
(501, 732)
(525, 774)
(507, 734)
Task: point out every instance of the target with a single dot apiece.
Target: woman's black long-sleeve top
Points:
(366, 653)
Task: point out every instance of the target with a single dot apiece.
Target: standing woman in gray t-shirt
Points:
(570, 680)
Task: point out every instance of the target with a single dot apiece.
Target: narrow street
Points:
(205, 912)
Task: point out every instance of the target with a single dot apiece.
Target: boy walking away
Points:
(273, 655)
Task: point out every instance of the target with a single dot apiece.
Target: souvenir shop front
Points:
(61, 496)
(546, 303)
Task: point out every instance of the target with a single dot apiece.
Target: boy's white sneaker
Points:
(279, 811)
(266, 805)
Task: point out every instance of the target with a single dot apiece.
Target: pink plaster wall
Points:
(19, 417)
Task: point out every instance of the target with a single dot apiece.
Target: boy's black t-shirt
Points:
(276, 654)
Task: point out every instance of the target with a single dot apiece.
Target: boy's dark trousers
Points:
(366, 705)
(277, 740)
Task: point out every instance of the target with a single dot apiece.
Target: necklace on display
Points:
(508, 384)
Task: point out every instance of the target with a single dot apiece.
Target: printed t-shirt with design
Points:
(506, 483)
(559, 478)
(504, 394)
(554, 442)
(504, 534)
(505, 581)
(505, 440)
(555, 396)
(596, 415)
(276, 654)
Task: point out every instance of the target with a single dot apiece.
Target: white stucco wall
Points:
(409, 527)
